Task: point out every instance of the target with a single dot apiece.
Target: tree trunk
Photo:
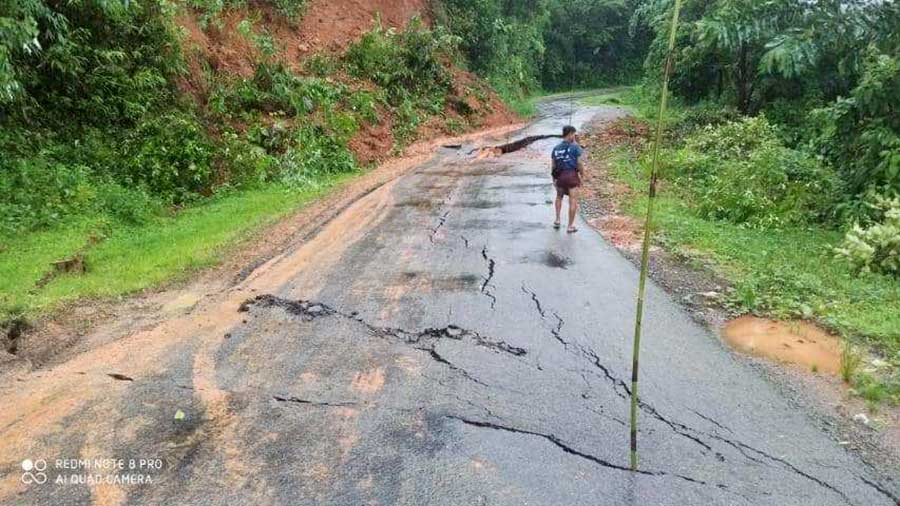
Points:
(743, 81)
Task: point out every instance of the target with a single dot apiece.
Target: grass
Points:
(851, 359)
(785, 273)
(620, 97)
(135, 258)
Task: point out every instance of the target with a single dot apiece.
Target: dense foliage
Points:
(523, 47)
(826, 71)
(741, 172)
(827, 76)
(94, 120)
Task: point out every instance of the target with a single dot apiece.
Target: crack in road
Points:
(565, 447)
(881, 489)
(537, 302)
(437, 357)
(323, 404)
(621, 389)
(711, 420)
(441, 221)
(492, 266)
(425, 340)
(557, 331)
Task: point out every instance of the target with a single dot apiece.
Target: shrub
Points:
(706, 114)
(861, 134)
(741, 172)
(91, 62)
(314, 153)
(876, 248)
(38, 193)
(250, 160)
(734, 139)
(170, 155)
(132, 206)
(274, 88)
(404, 64)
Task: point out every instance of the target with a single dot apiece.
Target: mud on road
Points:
(436, 342)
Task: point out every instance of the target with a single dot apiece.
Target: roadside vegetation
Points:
(525, 49)
(781, 169)
(131, 156)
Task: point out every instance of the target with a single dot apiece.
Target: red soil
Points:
(329, 26)
(333, 25)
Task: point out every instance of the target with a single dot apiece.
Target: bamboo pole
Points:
(645, 251)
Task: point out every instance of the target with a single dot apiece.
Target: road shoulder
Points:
(696, 287)
(86, 324)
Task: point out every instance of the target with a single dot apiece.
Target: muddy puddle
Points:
(797, 343)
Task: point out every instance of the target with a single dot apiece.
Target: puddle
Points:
(549, 258)
(552, 259)
(799, 343)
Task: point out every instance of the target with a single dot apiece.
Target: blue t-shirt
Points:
(567, 153)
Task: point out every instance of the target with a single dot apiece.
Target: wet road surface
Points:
(437, 344)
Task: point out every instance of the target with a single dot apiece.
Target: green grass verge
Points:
(623, 97)
(135, 258)
(784, 273)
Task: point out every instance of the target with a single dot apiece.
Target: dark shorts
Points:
(566, 181)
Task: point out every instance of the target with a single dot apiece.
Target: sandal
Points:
(556, 225)
(572, 230)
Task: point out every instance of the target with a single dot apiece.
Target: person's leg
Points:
(573, 208)
(558, 206)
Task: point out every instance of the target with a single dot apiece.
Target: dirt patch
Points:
(14, 332)
(374, 141)
(329, 28)
(798, 343)
(603, 196)
(369, 382)
(333, 25)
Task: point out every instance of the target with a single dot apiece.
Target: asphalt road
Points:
(437, 344)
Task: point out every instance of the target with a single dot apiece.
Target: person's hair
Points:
(568, 130)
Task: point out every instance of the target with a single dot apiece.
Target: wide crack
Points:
(424, 340)
(621, 389)
(511, 147)
(567, 448)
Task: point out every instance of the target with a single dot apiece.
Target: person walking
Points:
(567, 171)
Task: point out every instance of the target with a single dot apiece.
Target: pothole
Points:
(799, 343)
